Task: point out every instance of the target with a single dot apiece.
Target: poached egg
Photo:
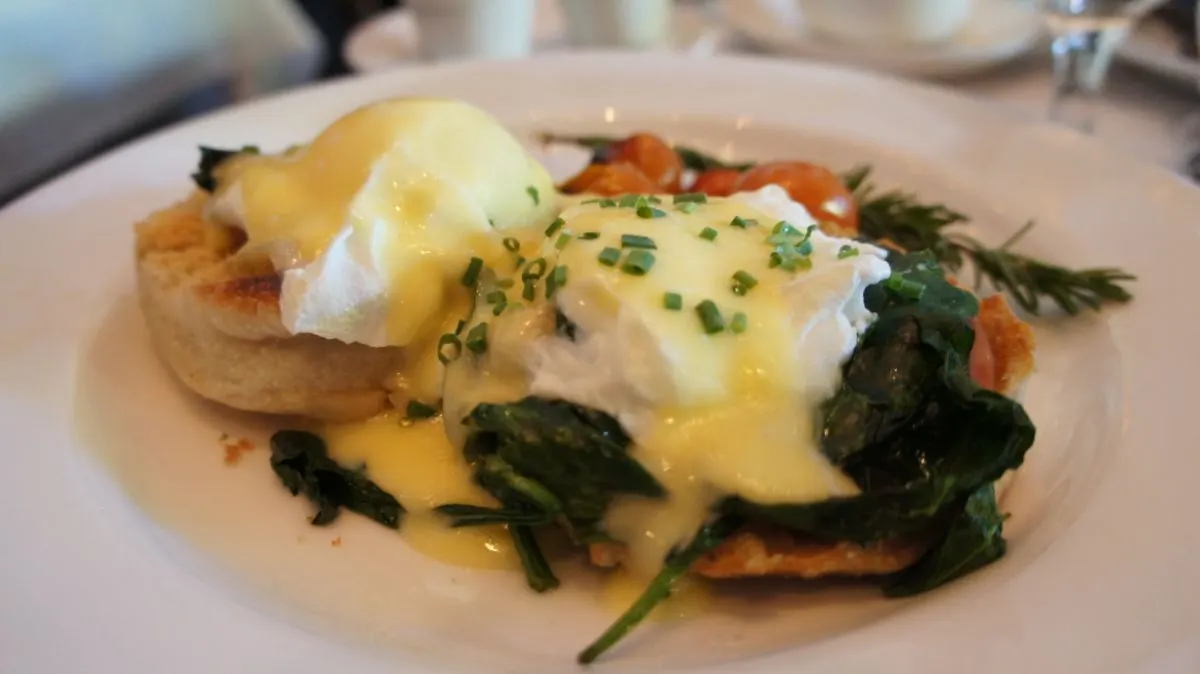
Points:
(373, 222)
(712, 349)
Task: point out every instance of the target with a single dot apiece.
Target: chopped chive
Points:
(650, 212)
(520, 261)
(445, 355)
(691, 198)
(419, 410)
(708, 234)
(556, 280)
(710, 317)
(784, 227)
(672, 301)
(742, 223)
(563, 240)
(738, 323)
(745, 280)
(530, 290)
(638, 262)
(847, 251)
(511, 244)
(472, 274)
(459, 328)
(590, 236)
(554, 227)
(499, 308)
(637, 241)
(505, 283)
(477, 339)
(535, 269)
(603, 203)
(906, 287)
(533, 194)
(775, 260)
(688, 207)
(653, 199)
(805, 247)
(609, 256)
(496, 297)
(632, 201)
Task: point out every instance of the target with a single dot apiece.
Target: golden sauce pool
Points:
(415, 463)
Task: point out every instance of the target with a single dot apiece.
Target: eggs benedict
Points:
(311, 281)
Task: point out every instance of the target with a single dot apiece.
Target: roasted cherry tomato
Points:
(716, 182)
(983, 361)
(816, 187)
(610, 180)
(652, 156)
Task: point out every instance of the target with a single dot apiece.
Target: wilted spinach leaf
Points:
(210, 158)
(301, 461)
(973, 540)
(909, 425)
(579, 455)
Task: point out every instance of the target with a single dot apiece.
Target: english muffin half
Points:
(213, 315)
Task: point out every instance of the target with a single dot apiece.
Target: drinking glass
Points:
(1085, 35)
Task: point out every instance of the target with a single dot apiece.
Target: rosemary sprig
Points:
(899, 218)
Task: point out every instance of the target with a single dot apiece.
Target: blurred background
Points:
(77, 78)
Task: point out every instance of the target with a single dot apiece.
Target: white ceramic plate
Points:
(1154, 47)
(389, 40)
(998, 31)
(128, 545)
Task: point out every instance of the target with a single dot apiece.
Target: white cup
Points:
(485, 29)
(886, 22)
(636, 24)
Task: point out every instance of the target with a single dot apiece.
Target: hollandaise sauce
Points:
(414, 462)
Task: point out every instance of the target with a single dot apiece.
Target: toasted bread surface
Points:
(213, 314)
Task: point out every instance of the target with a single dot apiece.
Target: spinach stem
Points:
(676, 566)
(538, 573)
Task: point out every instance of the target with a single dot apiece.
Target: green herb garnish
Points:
(710, 317)
(450, 346)
(471, 275)
(638, 262)
(743, 282)
(562, 241)
(511, 244)
(690, 198)
(738, 323)
(672, 301)
(590, 236)
(554, 227)
(419, 410)
(688, 207)
(847, 251)
(650, 212)
(609, 256)
(556, 280)
(637, 241)
(477, 339)
(708, 234)
(742, 223)
(533, 194)
(496, 297)
(535, 270)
